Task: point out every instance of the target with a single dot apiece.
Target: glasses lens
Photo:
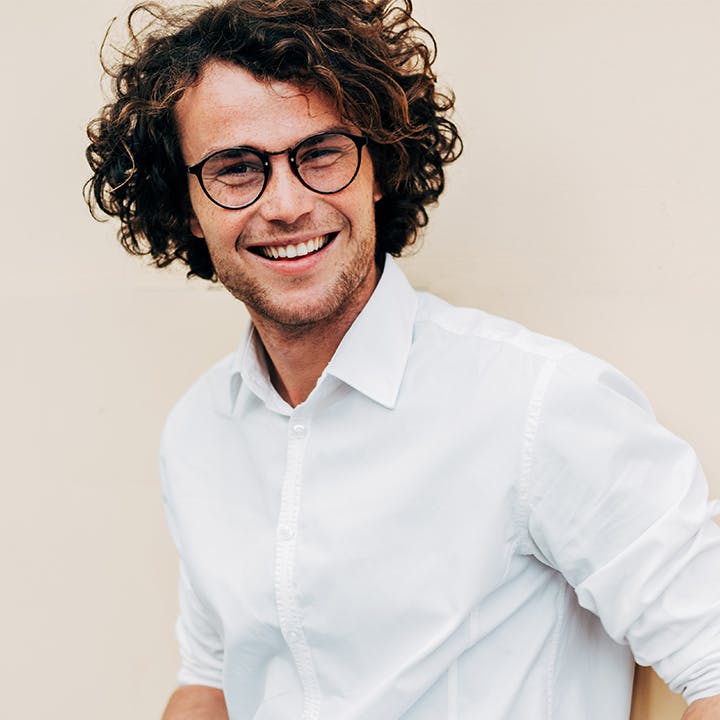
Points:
(327, 163)
(234, 177)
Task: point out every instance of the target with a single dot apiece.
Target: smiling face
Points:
(294, 257)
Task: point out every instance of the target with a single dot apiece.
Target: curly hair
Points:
(370, 57)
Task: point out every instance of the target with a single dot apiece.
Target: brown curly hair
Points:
(369, 56)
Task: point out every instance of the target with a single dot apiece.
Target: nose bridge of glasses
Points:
(267, 162)
(290, 152)
(285, 193)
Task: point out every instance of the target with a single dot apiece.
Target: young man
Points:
(385, 507)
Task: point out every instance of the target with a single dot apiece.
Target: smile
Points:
(281, 252)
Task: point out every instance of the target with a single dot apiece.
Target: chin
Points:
(300, 317)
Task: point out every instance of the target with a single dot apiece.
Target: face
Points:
(228, 107)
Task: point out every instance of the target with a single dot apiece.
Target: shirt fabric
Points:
(463, 520)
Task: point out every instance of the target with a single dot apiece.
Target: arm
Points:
(705, 709)
(196, 702)
(620, 506)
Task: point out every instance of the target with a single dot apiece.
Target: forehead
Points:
(228, 106)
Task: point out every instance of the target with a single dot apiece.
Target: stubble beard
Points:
(333, 302)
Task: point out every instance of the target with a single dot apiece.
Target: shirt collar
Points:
(373, 354)
(250, 376)
(371, 358)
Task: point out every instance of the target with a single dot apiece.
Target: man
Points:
(385, 507)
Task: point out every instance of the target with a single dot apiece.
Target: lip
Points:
(298, 265)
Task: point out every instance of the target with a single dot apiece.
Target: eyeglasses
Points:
(236, 178)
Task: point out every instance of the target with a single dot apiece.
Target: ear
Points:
(195, 228)
(377, 195)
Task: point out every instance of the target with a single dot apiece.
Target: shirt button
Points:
(286, 532)
(293, 636)
(298, 430)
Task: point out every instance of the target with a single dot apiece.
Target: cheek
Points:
(217, 226)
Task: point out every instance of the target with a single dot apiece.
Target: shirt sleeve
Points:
(619, 506)
(201, 651)
(199, 643)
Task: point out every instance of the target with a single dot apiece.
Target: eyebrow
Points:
(220, 148)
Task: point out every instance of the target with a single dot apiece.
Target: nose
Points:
(285, 198)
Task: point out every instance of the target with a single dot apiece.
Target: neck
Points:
(298, 354)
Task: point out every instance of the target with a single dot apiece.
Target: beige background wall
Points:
(586, 206)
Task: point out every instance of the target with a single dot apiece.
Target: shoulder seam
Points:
(527, 456)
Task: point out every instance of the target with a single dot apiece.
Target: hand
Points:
(196, 702)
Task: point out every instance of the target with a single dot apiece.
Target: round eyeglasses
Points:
(236, 178)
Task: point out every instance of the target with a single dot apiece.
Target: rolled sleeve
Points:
(620, 506)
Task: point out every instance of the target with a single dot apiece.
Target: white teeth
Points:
(292, 251)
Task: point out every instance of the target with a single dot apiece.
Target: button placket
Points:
(287, 605)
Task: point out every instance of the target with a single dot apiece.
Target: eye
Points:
(324, 150)
(234, 167)
(318, 153)
(239, 169)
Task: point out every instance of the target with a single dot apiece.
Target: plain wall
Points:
(585, 206)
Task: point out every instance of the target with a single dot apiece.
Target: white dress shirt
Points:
(464, 520)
